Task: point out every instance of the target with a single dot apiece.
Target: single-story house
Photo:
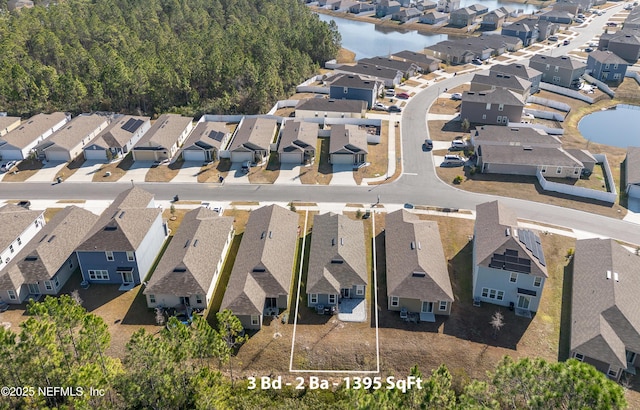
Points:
(407, 68)
(426, 5)
(163, 139)
(561, 70)
(530, 74)
(513, 136)
(557, 16)
(8, 124)
(426, 63)
(632, 172)
(493, 80)
(330, 108)
(459, 51)
(260, 281)
(586, 158)
(298, 140)
(354, 87)
(406, 15)
(386, 7)
(389, 76)
(526, 30)
(118, 138)
(123, 244)
(417, 276)
(252, 139)
(337, 261)
(347, 144)
(343, 5)
(46, 262)
(205, 141)
(527, 160)
(509, 267)
(434, 17)
(67, 143)
(606, 66)
(624, 43)
(447, 6)
(605, 325)
(19, 143)
(462, 17)
(361, 7)
(187, 273)
(499, 106)
(493, 19)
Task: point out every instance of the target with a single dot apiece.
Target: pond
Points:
(617, 126)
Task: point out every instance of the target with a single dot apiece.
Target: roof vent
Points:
(270, 234)
(262, 235)
(413, 245)
(179, 269)
(419, 246)
(341, 241)
(337, 261)
(418, 274)
(527, 147)
(333, 241)
(121, 214)
(187, 243)
(259, 269)
(195, 243)
(31, 258)
(110, 228)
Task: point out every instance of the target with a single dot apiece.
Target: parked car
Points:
(391, 92)
(553, 38)
(7, 166)
(380, 107)
(593, 44)
(428, 144)
(456, 96)
(581, 16)
(457, 145)
(453, 161)
(476, 61)
(588, 50)
(579, 20)
(404, 96)
(566, 43)
(395, 108)
(612, 24)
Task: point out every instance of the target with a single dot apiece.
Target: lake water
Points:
(617, 127)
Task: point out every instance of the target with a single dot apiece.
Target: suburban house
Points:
(479, 8)
(347, 144)
(386, 7)
(15, 5)
(330, 108)
(19, 227)
(562, 70)
(519, 70)
(46, 262)
(260, 281)
(426, 5)
(632, 173)
(389, 76)
(119, 138)
(163, 139)
(361, 7)
(187, 273)
(427, 64)
(343, 5)
(434, 17)
(205, 141)
(498, 42)
(527, 31)
(499, 106)
(493, 80)
(67, 143)
(406, 15)
(546, 28)
(354, 87)
(494, 19)
(509, 268)
(462, 17)
(125, 241)
(459, 51)
(606, 66)
(252, 140)
(337, 261)
(624, 43)
(558, 16)
(512, 136)
(8, 124)
(605, 325)
(447, 6)
(632, 21)
(407, 68)
(19, 143)
(298, 140)
(417, 275)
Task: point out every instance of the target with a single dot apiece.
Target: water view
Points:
(617, 126)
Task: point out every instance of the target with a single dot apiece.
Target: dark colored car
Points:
(403, 96)
(476, 61)
(428, 144)
(588, 50)
(395, 108)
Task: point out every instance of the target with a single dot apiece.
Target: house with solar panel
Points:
(119, 137)
(206, 140)
(509, 268)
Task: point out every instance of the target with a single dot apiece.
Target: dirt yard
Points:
(266, 173)
(213, 171)
(377, 156)
(117, 170)
(163, 173)
(23, 171)
(321, 171)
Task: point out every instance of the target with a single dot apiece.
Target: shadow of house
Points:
(565, 313)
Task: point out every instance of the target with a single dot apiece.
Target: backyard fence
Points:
(566, 91)
(549, 103)
(547, 115)
(602, 86)
(548, 130)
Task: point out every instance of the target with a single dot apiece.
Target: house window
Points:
(19, 241)
(556, 69)
(579, 357)
(255, 320)
(488, 106)
(556, 79)
(152, 298)
(48, 285)
(395, 301)
(130, 256)
(501, 107)
(332, 299)
(612, 372)
(199, 299)
(485, 292)
(109, 255)
(492, 293)
(11, 248)
(443, 305)
(98, 274)
(56, 282)
(313, 298)
(616, 76)
(606, 66)
(544, 169)
(12, 294)
(484, 116)
(345, 90)
(500, 295)
(547, 66)
(559, 170)
(537, 281)
(513, 278)
(359, 290)
(615, 66)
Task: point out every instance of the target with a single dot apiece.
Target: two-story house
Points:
(509, 268)
(606, 66)
(562, 70)
(526, 31)
(386, 7)
(447, 6)
(462, 17)
(624, 43)
(499, 106)
(519, 70)
(354, 87)
(494, 80)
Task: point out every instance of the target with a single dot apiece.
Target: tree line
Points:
(154, 56)
(188, 367)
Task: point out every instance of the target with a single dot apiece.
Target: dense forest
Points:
(189, 367)
(153, 56)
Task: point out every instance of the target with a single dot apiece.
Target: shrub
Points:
(457, 180)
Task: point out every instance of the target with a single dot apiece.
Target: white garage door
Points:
(241, 156)
(95, 154)
(291, 158)
(57, 156)
(143, 155)
(634, 191)
(342, 159)
(193, 156)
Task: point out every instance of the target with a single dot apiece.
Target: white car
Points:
(380, 107)
(5, 167)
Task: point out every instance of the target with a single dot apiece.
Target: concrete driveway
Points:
(188, 172)
(236, 175)
(48, 172)
(137, 172)
(343, 175)
(289, 175)
(86, 171)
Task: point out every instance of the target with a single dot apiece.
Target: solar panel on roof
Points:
(216, 135)
(132, 125)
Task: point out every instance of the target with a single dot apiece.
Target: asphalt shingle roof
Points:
(492, 134)
(14, 220)
(115, 135)
(527, 155)
(632, 165)
(34, 127)
(254, 133)
(207, 134)
(331, 105)
(298, 135)
(497, 96)
(347, 138)
(165, 131)
(75, 130)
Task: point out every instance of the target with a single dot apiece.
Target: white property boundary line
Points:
(375, 302)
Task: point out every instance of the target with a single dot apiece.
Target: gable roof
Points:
(165, 131)
(496, 234)
(560, 61)
(14, 220)
(513, 136)
(516, 69)
(403, 66)
(337, 258)
(414, 246)
(254, 133)
(120, 131)
(421, 60)
(331, 105)
(528, 155)
(371, 70)
(298, 136)
(264, 262)
(124, 224)
(355, 81)
(75, 131)
(188, 264)
(632, 166)
(495, 79)
(207, 134)
(33, 128)
(497, 96)
(606, 57)
(605, 309)
(347, 138)
(49, 249)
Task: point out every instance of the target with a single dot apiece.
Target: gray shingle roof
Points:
(165, 131)
(509, 81)
(75, 130)
(412, 246)
(34, 127)
(516, 69)
(632, 165)
(495, 231)
(497, 96)
(115, 135)
(355, 81)
(523, 155)
(298, 136)
(264, 262)
(403, 66)
(347, 138)
(606, 57)
(189, 262)
(371, 70)
(330, 105)
(337, 258)
(6, 122)
(14, 220)
(560, 61)
(605, 313)
(491, 134)
(420, 59)
(581, 155)
(207, 134)
(254, 133)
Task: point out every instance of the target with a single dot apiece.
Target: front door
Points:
(34, 289)
(127, 277)
(523, 302)
(345, 292)
(427, 307)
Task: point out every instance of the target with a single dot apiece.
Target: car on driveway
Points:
(390, 92)
(428, 144)
(588, 50)
(403, 96)
(453, 161)
(566, 42)
(395, 108)
(7, 166)
(456, 96)
(458, 145)
(553, 38)
(476, 61)
(380, 107)
(612, 24)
